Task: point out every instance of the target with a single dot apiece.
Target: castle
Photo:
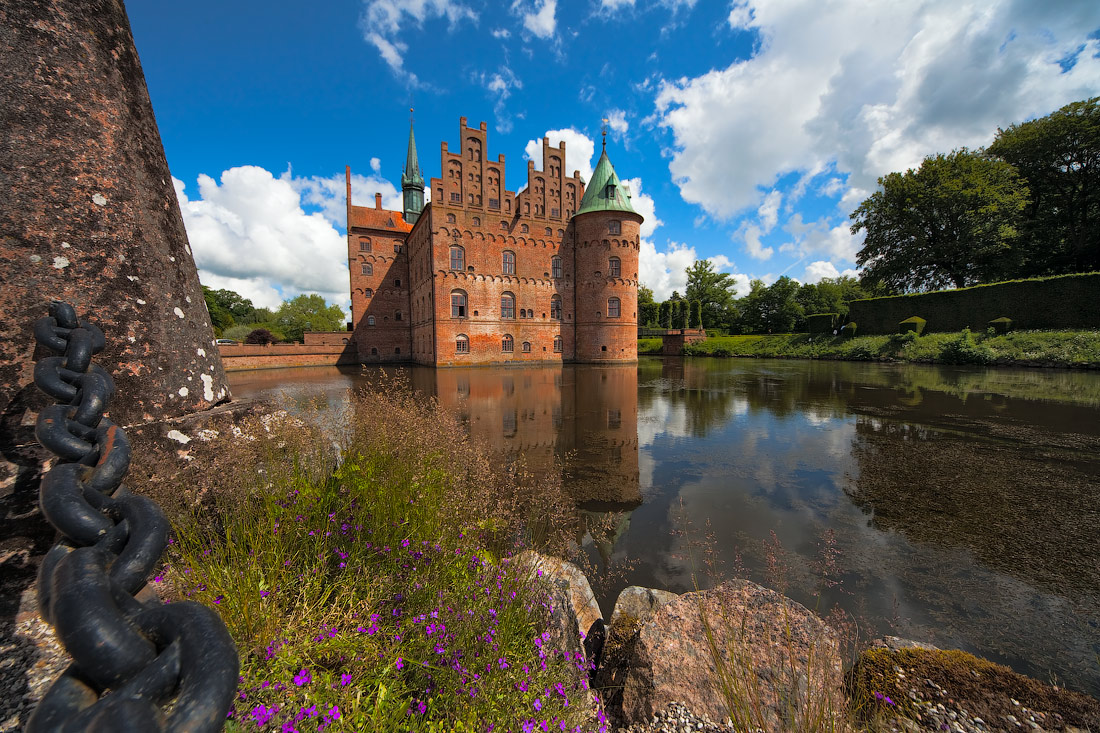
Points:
(483, 275)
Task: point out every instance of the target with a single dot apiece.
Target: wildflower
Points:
(400, 663)
(345, 679)
(537, 704)
(303, 678)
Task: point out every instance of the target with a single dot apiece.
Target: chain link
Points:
(166, 667)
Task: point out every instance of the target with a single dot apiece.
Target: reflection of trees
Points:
(1029, 514)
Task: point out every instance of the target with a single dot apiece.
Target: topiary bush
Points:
(848, 330)
(914, 324)
(821, 322)
(1001, 325)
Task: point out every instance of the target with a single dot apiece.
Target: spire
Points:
(412, 182)
(605, 191)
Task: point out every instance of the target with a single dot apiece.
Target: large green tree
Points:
(950, 223)
(831, 295)
(308, 313)
(1059, 156)
(770, 308)
(648, 309)
(714, 290)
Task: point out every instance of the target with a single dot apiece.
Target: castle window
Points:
(471, 198)
(364, 244)
(458, 304)
(370, 320)
(526, 347)
(523, 228)
(555, 213)
(397, 349)
(506, 343)
(458, 258)
(612, 307)
(507, 305)
(397, 283)
(555, 266)
(396, 248)
(462, 344)
(613, 267)
(397, 315)
(494, 203)
(374, 351)
(368, 293)
(477, 221)
(614, 227)
(549, 231)
(557, 344)
(439, 194)
(450, 218)
(555, 307)
(456, 198)
(509, 262)
(368, 268)
(504, 225)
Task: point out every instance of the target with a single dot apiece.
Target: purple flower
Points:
(399, 663)
(345, 679)
(303, 678)
(537, 704)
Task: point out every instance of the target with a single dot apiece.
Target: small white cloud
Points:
(769, 210)
(817, 271)
(613, 5)
(383, 20)
(376, 165)
(579, 149)
(663, 272)
(751, 233)
(540, 18)
(500, 85)
(616, 120)
(501, 33)
(831, 187)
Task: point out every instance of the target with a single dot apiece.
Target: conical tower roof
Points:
(411, 176)
(605, 191)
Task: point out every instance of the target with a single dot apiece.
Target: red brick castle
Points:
(483, 275)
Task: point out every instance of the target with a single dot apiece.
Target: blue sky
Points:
(748, 130)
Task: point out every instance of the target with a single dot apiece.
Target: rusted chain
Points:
(137, 665)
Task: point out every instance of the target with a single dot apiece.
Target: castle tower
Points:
(606, 232)
(412, 182)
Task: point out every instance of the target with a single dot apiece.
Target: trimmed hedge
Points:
(915, 324)
(1001, 325)
(1062, 302)
(822, 322)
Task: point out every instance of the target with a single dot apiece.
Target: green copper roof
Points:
(605, 192)
(411, 175)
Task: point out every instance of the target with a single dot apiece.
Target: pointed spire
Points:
(412, 181)
(605, 192)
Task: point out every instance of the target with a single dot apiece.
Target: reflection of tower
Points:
(606, 232)
(603, 472)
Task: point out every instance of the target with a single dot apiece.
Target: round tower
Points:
(605, 262)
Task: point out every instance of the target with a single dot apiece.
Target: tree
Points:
(260, 336)
(696, 320)
(308, 313)
(830, 295)
(648, 309)
(681, 320)
(665, 314)
(950, 223)
(770, 309)
(1059, 156)
(714, 290)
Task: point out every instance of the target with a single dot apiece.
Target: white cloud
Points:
(500, 85)
(868, 88)
(643, 203)
(330, 194)
(816, 271)
(769, 211)
(616, 120)
(741, 280)
(541, 21)
(579, 149)
(383, 20)
(820, 238)
(613, 5)
(663, 272)
(249, 233)
(751, 233)
(501, 33)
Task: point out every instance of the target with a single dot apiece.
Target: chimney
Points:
(377, 200)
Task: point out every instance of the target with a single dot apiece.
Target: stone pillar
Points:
(88, 214)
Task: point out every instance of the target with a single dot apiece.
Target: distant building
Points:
(482, 275)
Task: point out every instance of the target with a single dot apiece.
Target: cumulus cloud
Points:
(616, 120)
(817, 271)
(383, 20)
(579, 149)
(769, 211)
(750, 234)
(643, 203)
(819, 237)
(539, 17)
(501, 33)
(249, 233)
(663, 272)
(329, 195)
(500, 85)
(869, 88)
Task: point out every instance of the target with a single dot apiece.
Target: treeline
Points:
(234, 317)
(781, 307)
(1026, 206)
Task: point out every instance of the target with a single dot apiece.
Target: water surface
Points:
(964, 503)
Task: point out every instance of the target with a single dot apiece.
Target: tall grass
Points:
(365, 578)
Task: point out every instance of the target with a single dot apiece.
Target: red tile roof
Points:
(370, 218)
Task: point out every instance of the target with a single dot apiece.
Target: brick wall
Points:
(326, 338)
(258, 356)
(600, 336)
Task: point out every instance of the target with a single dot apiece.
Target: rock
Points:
(575, 609)
(782, 663)
(896, 642)
(639, 603)
(633, 608)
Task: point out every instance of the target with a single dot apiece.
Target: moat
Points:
(963, 502)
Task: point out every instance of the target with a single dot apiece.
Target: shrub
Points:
(848, 330)
(915, 324)
(260, 336)
(821, 322)
(238, 333)
(964, 350)
(903, 337)
(1001, 325)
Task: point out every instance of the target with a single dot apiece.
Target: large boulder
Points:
(574, 610)
(737, 651)
(634, 607)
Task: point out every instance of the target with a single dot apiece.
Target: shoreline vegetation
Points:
(366, 560)
(1057, 349)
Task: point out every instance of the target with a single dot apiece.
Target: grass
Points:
(366, 580)
(1079, 349)
(649, 346)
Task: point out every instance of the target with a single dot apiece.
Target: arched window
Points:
(477, 221)
(364, 244)
(613, 267)
(549, 232)
(612, 307)
(509, 263)
(368, 293)
(450, 218)
(370, 320)
(507, 305)
(555, 266)
(614, 227)
(555, 307)
(526, 347)
(368, 268)
(397, 315)
(374, 351)
(506, 343)
(458, 304)
(523, 228)
(458, 258)
(557, 344)
(462, 344)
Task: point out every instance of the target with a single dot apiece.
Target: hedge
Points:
(822, 322)
(1064, 301)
